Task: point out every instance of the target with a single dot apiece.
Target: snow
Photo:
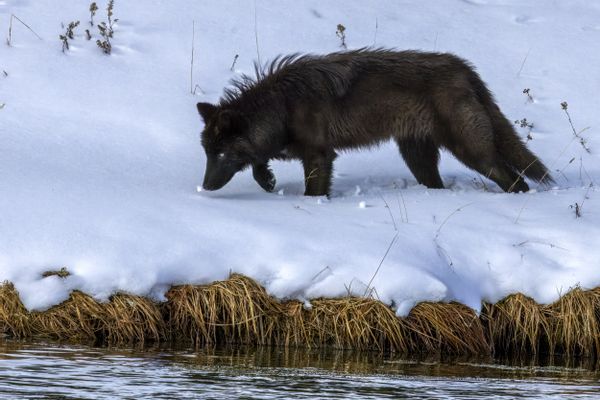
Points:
(100, 160)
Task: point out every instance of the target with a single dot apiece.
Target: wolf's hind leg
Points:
(422, 157)
(471, 140)
(483, 158)
(481, 155)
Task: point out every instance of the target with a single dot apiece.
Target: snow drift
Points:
(100, 157)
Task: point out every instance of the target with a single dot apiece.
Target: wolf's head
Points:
(226, 143)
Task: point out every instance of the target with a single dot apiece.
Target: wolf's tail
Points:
(511, 148)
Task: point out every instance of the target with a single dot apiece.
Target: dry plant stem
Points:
(376, 29)
(341, 33)
(577, 135)
(192, 58)
(404, 205)
(579, 207)
(551, 245)
(437, 232)
(561, 171)
(441, 251)
(9, 39)
(549, 169)
(197, 89)
(234, 61)
(523, 63)
(389, 211)
(381, 263)
(256, 35)
(93, 8)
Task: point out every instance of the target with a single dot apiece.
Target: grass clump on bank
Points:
(239, 311)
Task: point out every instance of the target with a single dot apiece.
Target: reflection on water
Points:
(43, 370)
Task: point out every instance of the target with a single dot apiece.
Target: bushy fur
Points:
(308, 106)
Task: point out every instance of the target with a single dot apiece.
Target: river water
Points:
(47, 370)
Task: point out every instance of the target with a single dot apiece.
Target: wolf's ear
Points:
(206, 110)
(230, 121)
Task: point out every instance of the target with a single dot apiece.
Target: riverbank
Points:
(239, 311)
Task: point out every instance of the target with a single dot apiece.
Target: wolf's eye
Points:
(221, 156)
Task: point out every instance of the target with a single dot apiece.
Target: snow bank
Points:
(100, 157)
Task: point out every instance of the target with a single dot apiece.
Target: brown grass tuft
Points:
(125, 319)
(575, 323)
(14, 318)
(356, 323)
(516, 325)
(78, 318)
(132, 319)
(447, 328)
(237, 310)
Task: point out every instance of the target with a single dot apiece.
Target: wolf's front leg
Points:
(264, 176)
(317, 174)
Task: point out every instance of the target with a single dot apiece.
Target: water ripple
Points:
(51, 371)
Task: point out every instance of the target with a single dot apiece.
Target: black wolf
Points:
(306, 107)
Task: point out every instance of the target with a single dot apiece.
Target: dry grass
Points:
(356, 323)
(14, 318)
(575, 323)
(448, 328)
(517, 325)
(78, 318)
(132, 319)
(239, 311)
(570, 326)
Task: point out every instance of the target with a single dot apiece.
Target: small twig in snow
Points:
(547, 172)
(234, 61)
(381, 262)
(561, 171)
(581, 167)
(192, 58)
(441, 251)
(398, 196)
(93, 9)
(389, 211)
(376, 29)
(9, 38)
(341, 33)
(437, 232)
(527, 92)
(565, 106)
(523, 63)
(551, 245)
(197, 89)
(578, 208)
(256, 35)
(320, 272)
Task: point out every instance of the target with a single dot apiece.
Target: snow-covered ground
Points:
(100, 156)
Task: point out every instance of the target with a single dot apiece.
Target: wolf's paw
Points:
(268, 184)
(264, 177)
